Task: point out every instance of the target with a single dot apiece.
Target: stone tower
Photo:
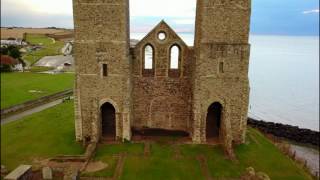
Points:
(221, 70)
(102, 68)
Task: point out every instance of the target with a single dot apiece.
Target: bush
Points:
(5, 68)
(14, 52)
(4, 51)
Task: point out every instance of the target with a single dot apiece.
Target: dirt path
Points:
(204, 167)
(147, 149)
(95, 178)
(119, 168)
(177, 152)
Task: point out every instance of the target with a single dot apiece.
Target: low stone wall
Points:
(61, 36)
(294, 133)
(34, 103)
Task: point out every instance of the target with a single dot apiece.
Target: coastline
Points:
(293, 133)
(302, 145)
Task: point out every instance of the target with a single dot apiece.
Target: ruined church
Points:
(160, 82)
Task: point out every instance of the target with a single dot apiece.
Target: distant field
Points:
(18, 32)
(50, 47)
(17, 87)
(51, 132)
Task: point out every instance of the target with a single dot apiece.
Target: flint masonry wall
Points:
(162, 96)
(221, 70)
(101, 37)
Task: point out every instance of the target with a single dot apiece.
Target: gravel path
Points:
(19, 116)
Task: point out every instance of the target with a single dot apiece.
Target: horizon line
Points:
(186, 32)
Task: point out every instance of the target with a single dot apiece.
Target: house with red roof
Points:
(8, 63)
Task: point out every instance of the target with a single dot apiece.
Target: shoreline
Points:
(301, 145)
(292, 133)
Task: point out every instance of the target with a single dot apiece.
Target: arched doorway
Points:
(213, 121)
(108, 120)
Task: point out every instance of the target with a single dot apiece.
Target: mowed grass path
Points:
(50, 47)
(16, 87)
(39, 136)
(51, 132)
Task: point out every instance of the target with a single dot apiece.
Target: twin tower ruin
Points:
(201, 90)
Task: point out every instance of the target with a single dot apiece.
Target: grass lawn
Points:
(51, 132)
(41, 135)
(161, 164)
(37, 69)
(15, 87)
(258, 153)
(50, 47)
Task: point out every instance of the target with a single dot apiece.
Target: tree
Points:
(5, 68)
(14, 52)
(4, 50)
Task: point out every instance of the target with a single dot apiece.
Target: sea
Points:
(284, 78)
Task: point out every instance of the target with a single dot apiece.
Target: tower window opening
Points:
(221, 67)
(104, 70)
(174, 57)
(148, 57)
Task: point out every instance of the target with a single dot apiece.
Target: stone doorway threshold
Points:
(160, 135)
(145, 135)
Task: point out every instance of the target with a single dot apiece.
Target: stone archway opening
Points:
(108, 121)
(213, 122)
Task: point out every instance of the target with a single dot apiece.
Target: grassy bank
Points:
(51, 132)
(50, 47)
(19, 87)
(41, 135)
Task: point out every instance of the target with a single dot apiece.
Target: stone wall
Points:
(162, 99)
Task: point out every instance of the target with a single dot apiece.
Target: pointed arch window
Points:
(174, 57)
(148, 57)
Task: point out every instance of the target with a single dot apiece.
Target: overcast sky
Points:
(284, 17)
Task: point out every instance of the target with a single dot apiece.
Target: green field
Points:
(51, 132)
(42, 135)
(50, 47)
(17, 87)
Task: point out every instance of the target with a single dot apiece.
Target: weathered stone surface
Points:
(221, 68)
(3, 169)
(214, 70)
(72, 174)
(162, 99)
(23, 172)
(46, 173)
(250, 174)
(75, 175)
(262, 176)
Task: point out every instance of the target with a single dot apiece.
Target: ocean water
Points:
(284, 78)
